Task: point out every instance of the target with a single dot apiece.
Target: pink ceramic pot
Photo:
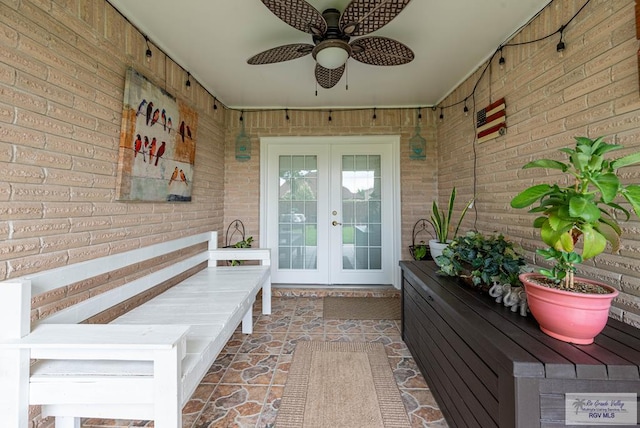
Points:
(571, 317)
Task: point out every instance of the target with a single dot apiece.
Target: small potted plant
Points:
(441, 221)
(236, 229)
(576, 221)
(245, 243)
(482, 260)
(420, 250)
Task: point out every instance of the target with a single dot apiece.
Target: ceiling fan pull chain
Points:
(346, 71)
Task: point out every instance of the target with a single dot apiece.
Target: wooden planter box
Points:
(490, 367)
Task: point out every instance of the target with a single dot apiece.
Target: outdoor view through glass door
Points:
(329, 207)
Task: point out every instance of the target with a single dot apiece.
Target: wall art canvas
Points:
(157, 144)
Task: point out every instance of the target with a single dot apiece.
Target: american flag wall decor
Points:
(491, 121)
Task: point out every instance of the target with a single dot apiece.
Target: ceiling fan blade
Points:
(366, 16)
(299, 14)
(328, 78)
(380, 51)
(281, 54)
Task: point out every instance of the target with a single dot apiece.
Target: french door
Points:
(329, 209)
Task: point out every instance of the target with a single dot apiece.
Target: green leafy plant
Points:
(442, 220)
(245, 243)
(482, 258)
(582, 211)
(419, 251)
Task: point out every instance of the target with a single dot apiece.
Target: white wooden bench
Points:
(144, 364)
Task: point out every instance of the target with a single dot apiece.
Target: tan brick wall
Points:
(63, 66)
(62, 70)
(591, 90)
(242, 179)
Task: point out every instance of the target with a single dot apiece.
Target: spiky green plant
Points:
(442, 220)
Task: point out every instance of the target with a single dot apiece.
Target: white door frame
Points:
(396, 220)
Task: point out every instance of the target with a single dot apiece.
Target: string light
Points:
(286, 113)
(288, 110)
(148, 53)
(374, 114)
(560, 46)
(466, 109)
(241, 115)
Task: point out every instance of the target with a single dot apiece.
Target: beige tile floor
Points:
(243, 387)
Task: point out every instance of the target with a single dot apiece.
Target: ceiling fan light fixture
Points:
(332, 53)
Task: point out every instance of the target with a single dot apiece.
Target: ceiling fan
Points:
(332, 33)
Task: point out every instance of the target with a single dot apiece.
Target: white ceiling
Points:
(212, 39)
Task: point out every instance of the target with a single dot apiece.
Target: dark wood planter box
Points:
(490, 367)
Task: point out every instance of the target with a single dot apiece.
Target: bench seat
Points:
(148, 358)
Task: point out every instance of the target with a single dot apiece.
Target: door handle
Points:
(335, 223)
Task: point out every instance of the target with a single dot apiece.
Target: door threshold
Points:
(321, 290)
(337, 286)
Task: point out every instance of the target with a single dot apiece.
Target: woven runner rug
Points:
(340, 384)
(361, 308)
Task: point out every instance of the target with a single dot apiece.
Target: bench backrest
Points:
(15, 294)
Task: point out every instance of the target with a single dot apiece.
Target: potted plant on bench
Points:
(244, 243)
(236, 229)
(482, 260)
(566, 307)
(420, 250)
(441, 221)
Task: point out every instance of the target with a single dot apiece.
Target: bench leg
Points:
(266, 298)
(14, 388)
(247, 321)
(67, 422)
(167, 390)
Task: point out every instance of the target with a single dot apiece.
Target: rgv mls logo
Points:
(601, 408)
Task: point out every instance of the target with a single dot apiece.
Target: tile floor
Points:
(243, 387)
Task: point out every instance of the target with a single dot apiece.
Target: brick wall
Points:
(591, 90)
(242, 179)
(62, 69)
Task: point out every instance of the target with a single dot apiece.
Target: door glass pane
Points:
(361, 217)
(298, 212)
